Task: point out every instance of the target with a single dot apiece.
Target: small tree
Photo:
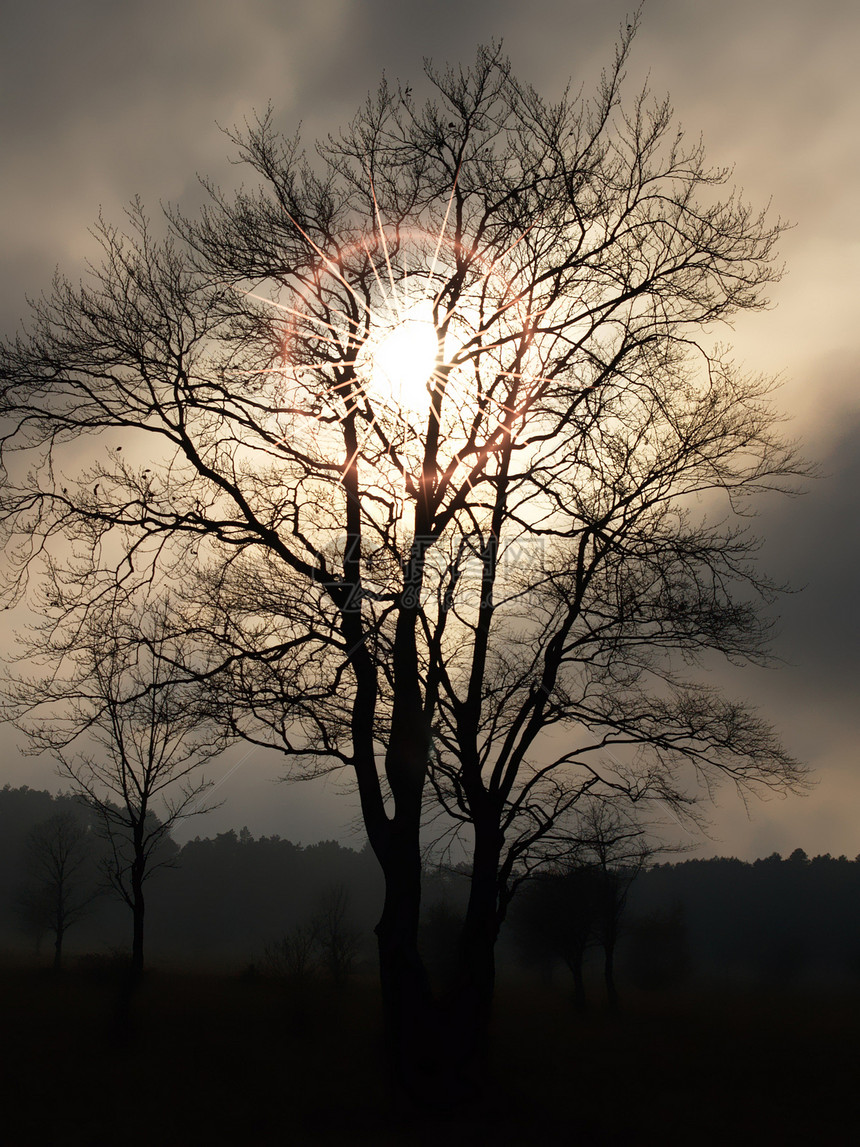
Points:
(338, 938)
(295, 955)
(329, 941)
(620, 848)
(112, 686)
(60, 883)
(658, 956)
(555, 919)
(579, 900)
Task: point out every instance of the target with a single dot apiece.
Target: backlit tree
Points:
(429, 431)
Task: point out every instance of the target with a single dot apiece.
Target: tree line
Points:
(235, 901)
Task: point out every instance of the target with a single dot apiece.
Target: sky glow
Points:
(102, 106)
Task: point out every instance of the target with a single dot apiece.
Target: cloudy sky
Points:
(103, 101)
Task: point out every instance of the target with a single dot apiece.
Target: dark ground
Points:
(246, 1060)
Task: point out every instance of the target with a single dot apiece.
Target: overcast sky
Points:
(103, 101)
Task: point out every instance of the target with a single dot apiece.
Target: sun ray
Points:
(442, 231)
(371, 388)
(384, 243)
(302, 315)
(330, 265)
(382, 290)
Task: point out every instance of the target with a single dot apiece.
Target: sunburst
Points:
(386, 351)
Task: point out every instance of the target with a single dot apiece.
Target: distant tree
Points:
(441, 926)
(295, 955)
(658, 954)
(111, 686)
(555, 918)
(60, 878)
(329, 941)
(21, 810)
(619, 847)
(338, 938)
(578, 901)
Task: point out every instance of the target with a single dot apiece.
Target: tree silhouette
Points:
(619, 848)
(295, 954)
(579, 901)
(479, 561)
(127, 734)
(338, 938)
(556, 918)
(658, 955)
(60, 881)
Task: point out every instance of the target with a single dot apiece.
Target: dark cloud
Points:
(816, 539)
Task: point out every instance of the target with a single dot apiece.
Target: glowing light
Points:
(398, 360)
(387, 334)
(405, 358)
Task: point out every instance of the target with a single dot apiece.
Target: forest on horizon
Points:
(226, 902)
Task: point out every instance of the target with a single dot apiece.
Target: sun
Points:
(401, 354)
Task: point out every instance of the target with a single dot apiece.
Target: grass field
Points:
(247, 1060)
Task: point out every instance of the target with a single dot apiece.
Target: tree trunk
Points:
(415, 1047)
(58, 948)
(609, 974)
(138, 909)
(580, 1003)
(407, 1006)
(477, 950)
(122, 1025)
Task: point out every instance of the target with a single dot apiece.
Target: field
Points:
(248, 1060)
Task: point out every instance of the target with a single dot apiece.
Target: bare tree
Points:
(622, 849)
(60, 883)
(328, 941)
(555, 920)
(576, 897)
(338, 938)
(431, 432)
(295, 954)
(111, 687)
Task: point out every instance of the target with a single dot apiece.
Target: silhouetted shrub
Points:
(656, 954)
(105, 966)
(294, 956)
